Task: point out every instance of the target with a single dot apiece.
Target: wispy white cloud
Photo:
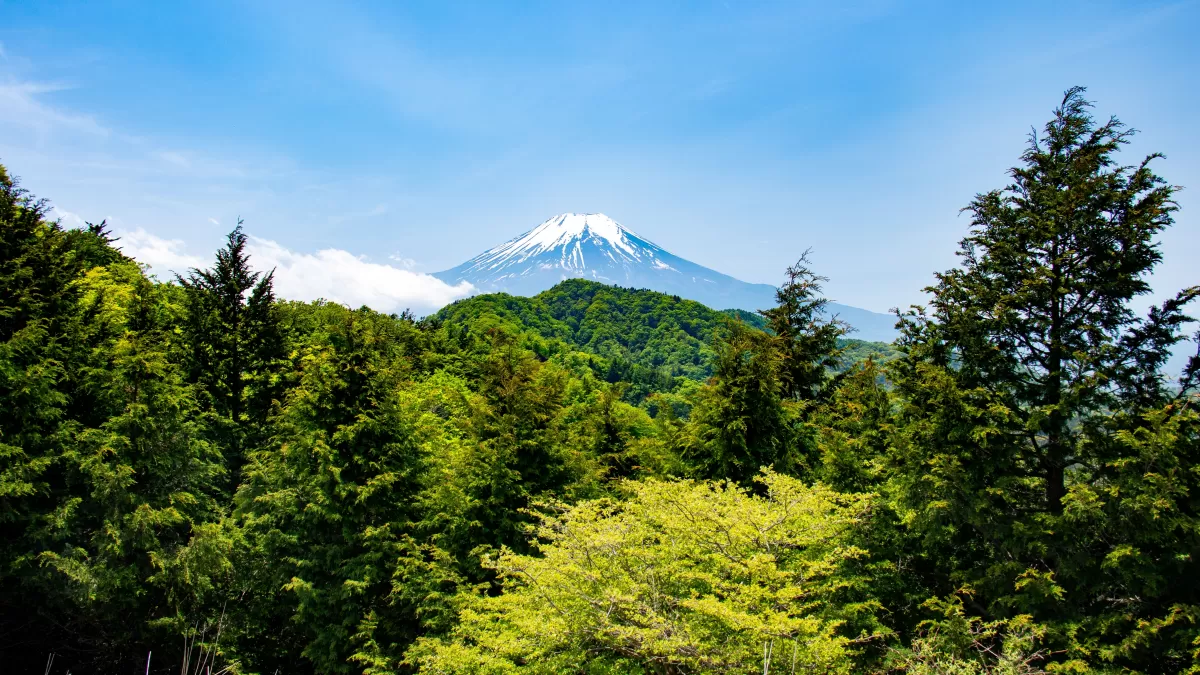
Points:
(174, 158)
(22, 107)
(214, 221)
(330, 274)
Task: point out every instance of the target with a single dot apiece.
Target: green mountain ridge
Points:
(634, 327)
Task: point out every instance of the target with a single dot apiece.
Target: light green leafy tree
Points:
(680, 577)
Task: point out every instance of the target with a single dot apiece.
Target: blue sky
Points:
(404, 138)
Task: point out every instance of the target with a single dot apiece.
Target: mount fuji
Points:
(596, 247)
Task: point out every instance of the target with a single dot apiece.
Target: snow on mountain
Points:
(596, 247)
(590, 245)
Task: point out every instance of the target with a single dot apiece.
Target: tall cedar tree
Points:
(746, 416)
(36, 299)
(143, 482)
(518, 458)
(807, 339)
(1038, 313)
(236, 344)
(1027, 347)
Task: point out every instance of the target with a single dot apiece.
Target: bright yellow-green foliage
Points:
(677, 577)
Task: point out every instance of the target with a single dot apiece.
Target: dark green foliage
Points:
(807, 341)
(740, 423)
(855, 428)
(1006, 432)
(514, 454)
(753, 412)
(140, 484)
(235, 341)
(328, 503)
(1132, 513)
(107, 480)
(1038, 313)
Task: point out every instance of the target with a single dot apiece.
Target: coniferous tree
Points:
(143, 482)
(36, 303)
(41, 402)
(740, 422)
(236, 343)
(611, 444)
(103, 473)
(1027, 349)
(854, 427)
(517, 456)
(1038, 313)
(328, 505)
(807, 338)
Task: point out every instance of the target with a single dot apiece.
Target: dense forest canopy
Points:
(198, 476)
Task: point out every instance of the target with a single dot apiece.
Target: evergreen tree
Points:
(328, 505)
(1027, 348)
(138, 487)
(611, 437)
(740, 422)
(41, 402)
(517, 457)
(853, 430)
(236, 343)
(1038, 313)
(807, 339)
(1133, 519)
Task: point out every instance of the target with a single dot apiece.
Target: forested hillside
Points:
(646, 338)
(654, 331)
(197, 476)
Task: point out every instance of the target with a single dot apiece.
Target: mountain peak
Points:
(567, 227)
(574, 244)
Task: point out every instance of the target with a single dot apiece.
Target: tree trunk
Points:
(1055, 458)
(1055, 487)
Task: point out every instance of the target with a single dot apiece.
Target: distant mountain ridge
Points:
(595, 247)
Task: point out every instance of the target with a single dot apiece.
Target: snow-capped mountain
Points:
(596, 247)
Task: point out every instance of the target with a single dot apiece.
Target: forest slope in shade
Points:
(197, 475)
